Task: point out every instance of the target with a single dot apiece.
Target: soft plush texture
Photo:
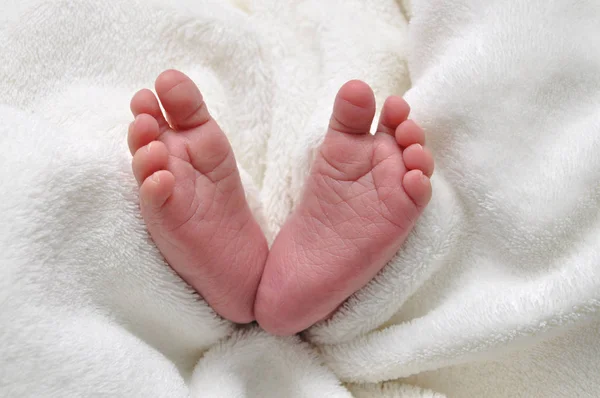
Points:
(495, 294)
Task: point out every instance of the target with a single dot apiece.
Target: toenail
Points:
(423, 177)
(155, 178)
(149, 146)
(419, 146)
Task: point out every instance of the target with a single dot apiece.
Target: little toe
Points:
(149, 159)
(418, 157)
(395, 111)
(354, 108)
(145, 102)
(418, 187)
(156, 189)
(182, 100)
(408, 133)
(143, 130)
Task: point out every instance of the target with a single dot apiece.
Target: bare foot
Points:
(192, 199)
(361, 200)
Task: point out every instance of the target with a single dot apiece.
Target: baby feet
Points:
(361, 200)
(192, 199)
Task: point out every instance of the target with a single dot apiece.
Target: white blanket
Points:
(495, 294)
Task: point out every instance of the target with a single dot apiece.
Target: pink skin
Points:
(361, 200)
(192, 198)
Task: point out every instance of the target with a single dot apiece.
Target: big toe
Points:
(346, 149)
(354, 108)
(182, 100)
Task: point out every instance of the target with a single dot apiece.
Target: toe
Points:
(354, 108)
(408, 133)
(395, 111)
(418, 186)
(143, 130)
(156, 189)
(145, 102)
(182, 100)
(418, 157)
(149, 159)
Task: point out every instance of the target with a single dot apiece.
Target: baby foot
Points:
(361, 200)
(192, 199)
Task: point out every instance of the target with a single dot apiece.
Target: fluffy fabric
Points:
(495, 294)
